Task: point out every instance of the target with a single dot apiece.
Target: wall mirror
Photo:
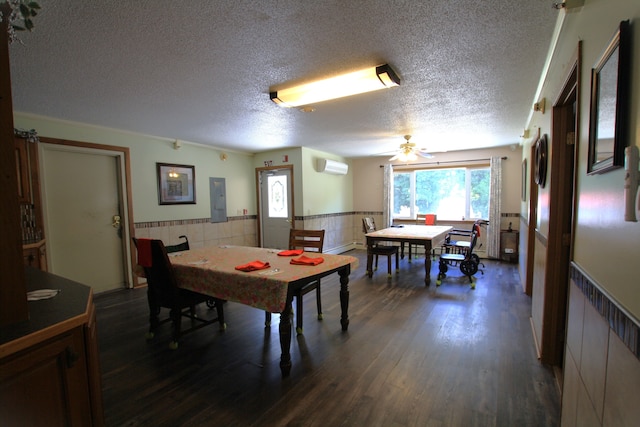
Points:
(609, 113)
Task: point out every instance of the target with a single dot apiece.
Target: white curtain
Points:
(387, 183)
(495, 208)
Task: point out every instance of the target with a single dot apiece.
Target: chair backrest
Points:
(309, 240)
(184, 246)
(160, 276)
(368, 225)
(426, 219)
(472, 244)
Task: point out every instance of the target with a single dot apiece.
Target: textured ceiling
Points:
(200, 71)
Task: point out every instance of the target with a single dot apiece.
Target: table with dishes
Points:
(262, 278)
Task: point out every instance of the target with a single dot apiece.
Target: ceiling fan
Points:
(409, 152)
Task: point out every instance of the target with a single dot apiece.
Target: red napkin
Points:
(291, 252)
(253, 266)
(144, 252)
(305, 260)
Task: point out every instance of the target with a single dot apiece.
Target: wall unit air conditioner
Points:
(332, 167)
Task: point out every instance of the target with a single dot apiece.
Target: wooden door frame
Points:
(532, 224)
(129, 257)
(259, 197)
(562, 207)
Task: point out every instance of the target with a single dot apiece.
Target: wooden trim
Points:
(561, 217)
(129, 193)
(42, 335)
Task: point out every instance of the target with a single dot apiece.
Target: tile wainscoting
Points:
(343, 230)
(602, 358)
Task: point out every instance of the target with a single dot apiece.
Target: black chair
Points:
(466, 260)
(163, 292)
(369, 226)
(309, 241)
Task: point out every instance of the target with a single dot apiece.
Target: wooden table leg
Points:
(427, 264)
(369, 259)
(344, 297)
(285, 338)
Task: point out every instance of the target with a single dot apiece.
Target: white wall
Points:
(606, 247)
(145, 151)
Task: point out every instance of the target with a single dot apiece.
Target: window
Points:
(452, 194)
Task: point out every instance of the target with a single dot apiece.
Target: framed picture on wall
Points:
(609, 108)
(176, 184)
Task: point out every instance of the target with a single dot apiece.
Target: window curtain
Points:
(386, 198)
(495, 208)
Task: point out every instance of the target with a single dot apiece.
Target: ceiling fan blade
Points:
(394, 157)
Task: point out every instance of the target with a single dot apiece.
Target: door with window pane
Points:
(276, 207)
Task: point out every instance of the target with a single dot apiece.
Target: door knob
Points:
(116, 221)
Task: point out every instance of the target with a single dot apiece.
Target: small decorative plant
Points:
(20, 14)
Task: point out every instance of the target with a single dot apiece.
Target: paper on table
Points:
(42, 294)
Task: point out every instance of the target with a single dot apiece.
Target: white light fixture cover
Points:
(367, 80)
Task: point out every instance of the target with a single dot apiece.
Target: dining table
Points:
(424, 235)
(213, 270)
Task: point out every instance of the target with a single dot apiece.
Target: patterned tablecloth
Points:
(211, 271)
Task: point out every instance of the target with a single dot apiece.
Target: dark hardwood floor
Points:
(413, 356)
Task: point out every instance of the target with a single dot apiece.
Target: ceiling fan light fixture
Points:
(409, 152)
(408, 157)
(354, 83)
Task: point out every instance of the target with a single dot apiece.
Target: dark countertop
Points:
(69, 307)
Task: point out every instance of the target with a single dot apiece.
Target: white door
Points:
(81, 192)
(276, 207)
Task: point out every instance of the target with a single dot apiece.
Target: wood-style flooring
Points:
(413, 356)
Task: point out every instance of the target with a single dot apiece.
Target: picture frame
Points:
(176, 184)
(609, 112)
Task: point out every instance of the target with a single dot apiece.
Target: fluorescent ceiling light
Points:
(368, 80)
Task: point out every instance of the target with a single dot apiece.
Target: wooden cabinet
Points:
(49, 365)
(47, 384)
(22, 168)
(35, 255)
(31, 220)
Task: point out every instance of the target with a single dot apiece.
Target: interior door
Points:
(276, 207)
(82, 207)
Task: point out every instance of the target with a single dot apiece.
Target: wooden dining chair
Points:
(369, 226)
(309, 241)
(422, 219)
(163, 292)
